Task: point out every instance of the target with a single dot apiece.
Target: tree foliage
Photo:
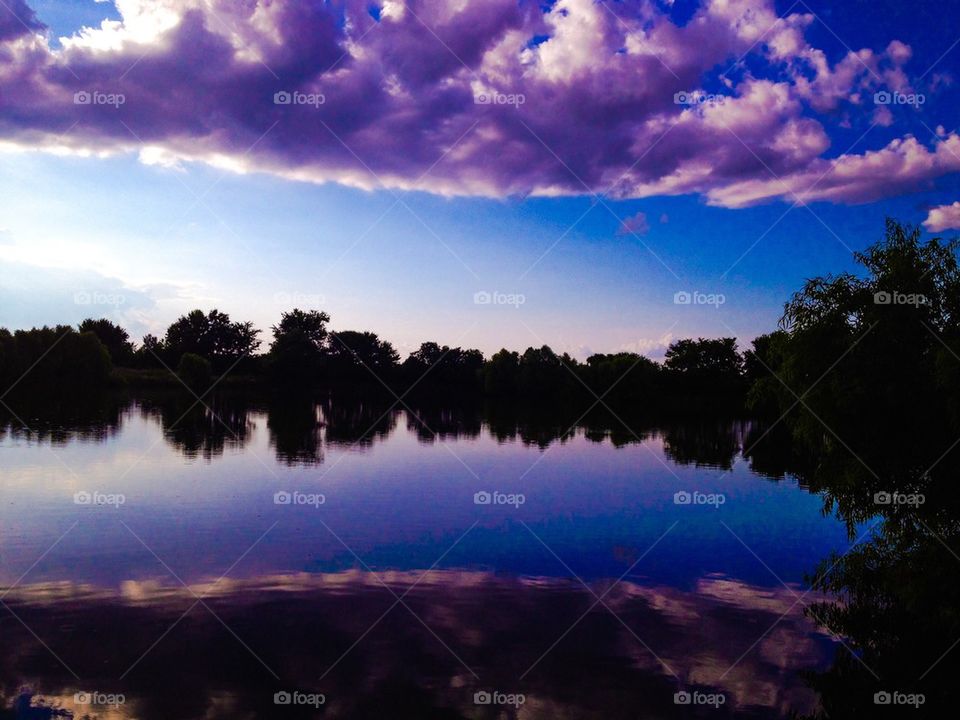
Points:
(113, 337)
(212, 336)
(52, 360)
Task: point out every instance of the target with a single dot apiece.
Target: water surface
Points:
(147, 552)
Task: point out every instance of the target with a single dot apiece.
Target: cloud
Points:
(650, 347)
(17, 19)
(634, 225)
(487, 98)
(31, 296)
(944, 217)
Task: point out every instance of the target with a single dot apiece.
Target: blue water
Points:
(669, 596)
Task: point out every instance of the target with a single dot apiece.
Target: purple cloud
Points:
(490, 97)
(635, 225)
(16, 19)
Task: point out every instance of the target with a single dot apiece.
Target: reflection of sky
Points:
(623, 660)
(399, 504)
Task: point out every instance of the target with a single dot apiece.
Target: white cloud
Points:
(944, 217)
(650, 347)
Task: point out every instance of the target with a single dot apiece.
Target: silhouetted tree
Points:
(542, 371)
(212, 336)
(759, 372)
(307, 325)
(8, 358)
(705, 370)
(874, 357)
(501, 374)
(625, 378)
(298, 347)
(359, 356)
(150, 352)
(113, 337)
(433, 364)
(428, 355)
(57, 359)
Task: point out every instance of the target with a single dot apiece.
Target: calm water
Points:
(147, 556)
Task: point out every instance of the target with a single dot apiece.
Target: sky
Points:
(596, 176)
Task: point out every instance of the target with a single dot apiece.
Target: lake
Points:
(346, 559)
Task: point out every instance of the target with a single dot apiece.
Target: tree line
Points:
(904, 363)
(305, 353)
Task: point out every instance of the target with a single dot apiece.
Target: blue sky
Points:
(98, 231)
